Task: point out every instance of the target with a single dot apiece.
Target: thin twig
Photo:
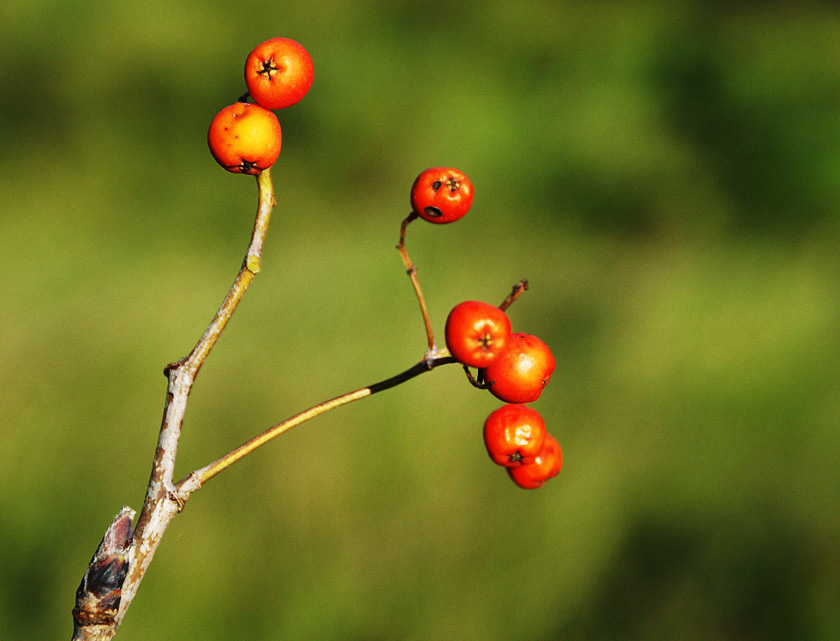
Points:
(477, 382)
(411, 270)
(162, 502)
(516, 292)
(199, 477)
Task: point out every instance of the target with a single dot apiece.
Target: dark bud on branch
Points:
(99, 593)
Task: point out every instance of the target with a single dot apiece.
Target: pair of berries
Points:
(245, 137)
(515, 367)
(516, 438)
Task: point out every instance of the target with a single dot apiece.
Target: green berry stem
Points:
(199, 477)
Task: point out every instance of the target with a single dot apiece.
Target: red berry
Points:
(521, 371)
(546, 465)
(514, 435)
(441, 195)
(476, 333)
(245, 138)
(278, 73)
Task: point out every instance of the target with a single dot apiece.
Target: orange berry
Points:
(245, 138)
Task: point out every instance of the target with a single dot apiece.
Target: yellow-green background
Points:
(666, 174)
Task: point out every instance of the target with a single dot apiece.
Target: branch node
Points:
(253, 264)
(170, 368)
(173, 495)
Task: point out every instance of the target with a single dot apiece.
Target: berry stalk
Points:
(199, 477)
(411, 270)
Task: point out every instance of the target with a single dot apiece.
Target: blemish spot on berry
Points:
(436, 185)
(433, 212)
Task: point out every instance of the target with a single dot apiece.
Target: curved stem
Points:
(197, 478)
(411, 270)
(162, 502)
(251, 266)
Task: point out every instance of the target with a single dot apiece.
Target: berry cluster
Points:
(245, 137)
(513, 366)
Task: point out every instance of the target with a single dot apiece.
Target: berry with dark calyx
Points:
(441, 195)
(279, 73)
(245, 138)
(545, 466)
(476, 333)
(514, 435)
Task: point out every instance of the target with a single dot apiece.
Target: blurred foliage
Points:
(664, 173)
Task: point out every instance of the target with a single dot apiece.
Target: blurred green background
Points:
(666, 175)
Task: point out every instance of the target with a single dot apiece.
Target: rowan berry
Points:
(476, 333)
(514, 435)
(545, 466)
(245, 138)
(521, 371)
(441, 195)
(278, 73)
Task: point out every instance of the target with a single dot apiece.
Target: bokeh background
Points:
(666, 175)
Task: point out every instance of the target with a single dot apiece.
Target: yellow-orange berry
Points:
(245, 138)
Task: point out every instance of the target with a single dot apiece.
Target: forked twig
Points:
(197, 478)
(120, 563)
(163, 502)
